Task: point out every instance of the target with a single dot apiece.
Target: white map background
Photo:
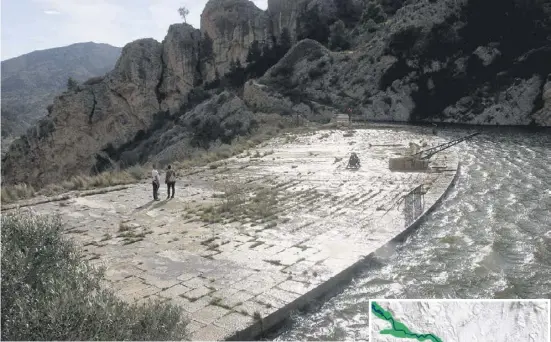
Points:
(460, 321)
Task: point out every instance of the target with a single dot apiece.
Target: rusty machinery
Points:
(419, 161)
(353, 162)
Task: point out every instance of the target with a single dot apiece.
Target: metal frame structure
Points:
(414, 204)
(428, 153)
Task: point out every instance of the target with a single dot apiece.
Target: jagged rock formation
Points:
(543, 116)
(413, 60)
(220, 118)
(284, 13)
(233, 25)
(181, 68)
(282, 89)
(431, 61)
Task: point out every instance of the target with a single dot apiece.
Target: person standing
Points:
(170, 180)
(156, 181)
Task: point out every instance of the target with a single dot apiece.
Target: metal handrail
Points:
(426, 154)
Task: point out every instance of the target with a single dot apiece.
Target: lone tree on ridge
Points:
(183, 11)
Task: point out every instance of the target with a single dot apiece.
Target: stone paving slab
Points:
(259, 235)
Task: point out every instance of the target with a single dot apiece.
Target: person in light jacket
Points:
(156, 181)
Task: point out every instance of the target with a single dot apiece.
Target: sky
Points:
(29, 25)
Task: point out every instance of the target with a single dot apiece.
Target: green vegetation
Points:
(259, 59)
(399, 329)
(311, 25)
(72, 84)
(50, 293)
(337, 37)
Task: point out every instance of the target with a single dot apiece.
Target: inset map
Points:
(445, 320)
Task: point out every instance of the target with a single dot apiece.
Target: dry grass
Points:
(270, 126)
(239, 202)
(19, 192)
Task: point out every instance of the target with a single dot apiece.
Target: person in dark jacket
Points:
(170, 180)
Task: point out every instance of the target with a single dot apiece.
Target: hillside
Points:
(30, 82)
(387, 60)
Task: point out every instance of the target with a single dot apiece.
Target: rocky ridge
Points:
(406, 61)
(432, 61)
(30, 82)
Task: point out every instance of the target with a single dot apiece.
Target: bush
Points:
(94, 80)
(16, 192)
(402, 43)
(72, 84)
(50, 293)
(311, 25)
(373, 12)
(337, 38)
(315, 73)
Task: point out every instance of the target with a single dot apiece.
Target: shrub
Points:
(94, 80)
(72, 84)
(315, 73)
(16, 192)
(337, 38)
(374, 12)
(50, 293)
(312, 25)
(402, 43)
(284, 71)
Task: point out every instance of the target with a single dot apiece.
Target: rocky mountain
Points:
(433, 61)
(461, 61)
(30, 82)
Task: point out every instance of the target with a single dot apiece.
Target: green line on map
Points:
(399, 329)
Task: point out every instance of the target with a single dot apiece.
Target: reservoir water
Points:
(489, 238)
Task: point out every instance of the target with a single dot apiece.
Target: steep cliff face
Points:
(308, 18)
(221, 117)
(284, 13)
(85, 122)
(233, 25)
(543, 116)
(181, 68)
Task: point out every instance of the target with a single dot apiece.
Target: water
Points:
(490, 238)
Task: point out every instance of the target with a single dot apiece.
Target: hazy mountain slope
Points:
(31, 81)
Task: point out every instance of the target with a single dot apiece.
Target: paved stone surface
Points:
(245, 238)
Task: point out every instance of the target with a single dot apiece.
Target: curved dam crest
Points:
(263, 233)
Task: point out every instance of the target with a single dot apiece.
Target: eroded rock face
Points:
(543, 116)
(181, 65)
(437, 61)
(283, 88)
(290, 14)
(85, 122)
(233, 25)
(284, 13)
(221, 118)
